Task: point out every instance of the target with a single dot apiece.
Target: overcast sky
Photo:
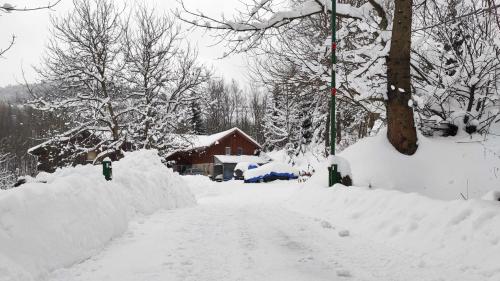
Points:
(31, 30)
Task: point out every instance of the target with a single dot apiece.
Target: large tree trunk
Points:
(401, 130)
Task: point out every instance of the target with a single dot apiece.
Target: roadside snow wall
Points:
(464, 233)
(45, 226)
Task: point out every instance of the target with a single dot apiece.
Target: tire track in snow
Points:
(236, 237)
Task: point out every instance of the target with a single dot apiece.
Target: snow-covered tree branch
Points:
(162, 72)
(8, 8)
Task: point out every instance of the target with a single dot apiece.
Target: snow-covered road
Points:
(245, 232)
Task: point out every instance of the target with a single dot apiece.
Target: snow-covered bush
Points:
(457, 72)
(45, 226)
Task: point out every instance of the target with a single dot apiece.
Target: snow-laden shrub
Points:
(45, 226)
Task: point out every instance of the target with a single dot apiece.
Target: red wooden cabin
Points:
(200, 157)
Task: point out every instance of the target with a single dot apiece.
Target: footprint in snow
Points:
(343, 273)
(167, 264)
(306, 259)
(344, 233)
(326, 224)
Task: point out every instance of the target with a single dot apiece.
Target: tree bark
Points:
(401, 130)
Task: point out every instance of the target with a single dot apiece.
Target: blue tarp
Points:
(272, 176)
(252, 166)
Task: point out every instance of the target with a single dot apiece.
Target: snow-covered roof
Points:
(200, 141)
(241, 158)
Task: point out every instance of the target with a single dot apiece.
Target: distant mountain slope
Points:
(13, 93)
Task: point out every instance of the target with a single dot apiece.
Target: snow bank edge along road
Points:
(462, 233)
(45, 226)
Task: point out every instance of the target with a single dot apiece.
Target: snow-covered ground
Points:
(79, 227)
(448, 168)
(290, 231)
(71, 217)
(441, 168)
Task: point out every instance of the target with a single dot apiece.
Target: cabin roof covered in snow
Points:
(200, 141)
(233, 159)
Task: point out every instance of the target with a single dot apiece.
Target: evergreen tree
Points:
(196, 120)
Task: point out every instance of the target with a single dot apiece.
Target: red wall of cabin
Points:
(233, 140)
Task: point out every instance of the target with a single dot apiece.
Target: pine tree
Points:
(196, 120)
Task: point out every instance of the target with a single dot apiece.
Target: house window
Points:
(91, 156)
(228, 150)
(240, 150)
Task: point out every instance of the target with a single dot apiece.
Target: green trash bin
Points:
(107, 169)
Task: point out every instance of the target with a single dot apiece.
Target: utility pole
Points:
(333, 174)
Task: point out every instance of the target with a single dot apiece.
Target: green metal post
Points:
(333, 174)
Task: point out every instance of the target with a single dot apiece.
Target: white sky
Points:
(31, 30)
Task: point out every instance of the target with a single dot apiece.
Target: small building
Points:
(216, 154)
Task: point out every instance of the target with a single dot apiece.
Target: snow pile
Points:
(442, 168)
(45, 226)
(463, 233)
(343, 166)
(201, 186)
(270, 168)
(244, 166)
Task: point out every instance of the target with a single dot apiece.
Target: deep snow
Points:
(45, 226)
(284, 230)
(460, 236)
(442, 168)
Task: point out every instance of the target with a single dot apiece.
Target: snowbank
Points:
(463, 233)
(441, 168)
(343, 166)
(45, 226)
(201, 186)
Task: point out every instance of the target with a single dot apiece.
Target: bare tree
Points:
(84, 62)
(7, 177)
(258, 104)
(262, 21)
(163, 74)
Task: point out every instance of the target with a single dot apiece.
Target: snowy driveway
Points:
(245, 232)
